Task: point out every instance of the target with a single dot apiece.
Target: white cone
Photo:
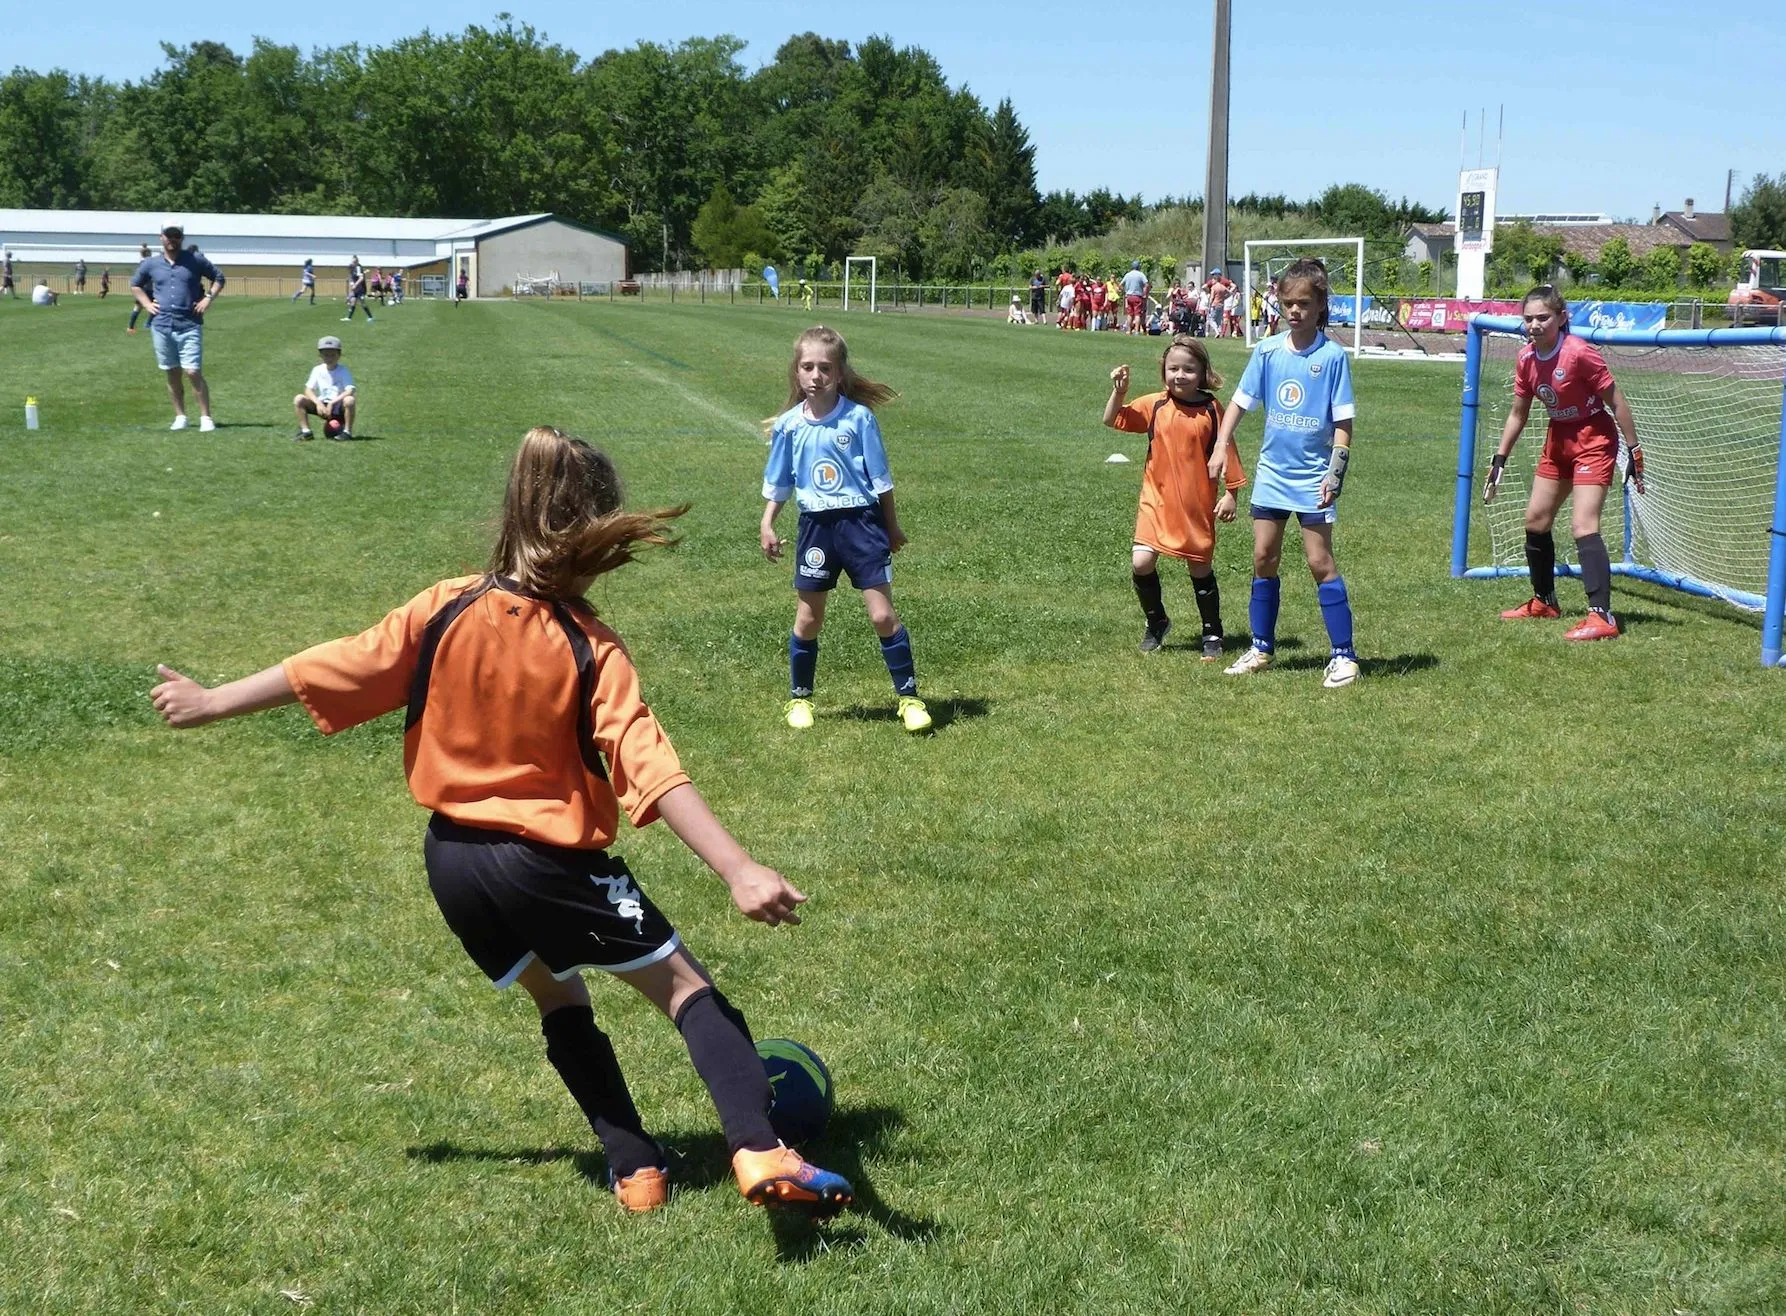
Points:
(1116, 459)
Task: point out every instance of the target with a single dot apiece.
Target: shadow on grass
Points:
(942, 711)
(1403, 664)
(702, 1161)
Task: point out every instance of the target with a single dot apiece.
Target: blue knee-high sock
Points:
(1262, 612)
(897, 650)
(1336, 611)
(803, 665)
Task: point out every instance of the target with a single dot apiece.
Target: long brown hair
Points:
(1312, 272)
(849, 384)
(561, 517)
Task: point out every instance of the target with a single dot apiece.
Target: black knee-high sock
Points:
(1147, 589)
(585, 1060)
(720, 1045)
(1541, 560)
(1209, 602)
(1596, 570)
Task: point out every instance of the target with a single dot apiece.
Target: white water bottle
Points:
(30, 413)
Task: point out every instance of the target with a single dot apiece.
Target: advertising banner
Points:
(1341, 311)
(1448, 314)
(1618, 315)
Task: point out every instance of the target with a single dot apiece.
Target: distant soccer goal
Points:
(1265, 260)
(535, 285)
(869, 261)
(1710, 408)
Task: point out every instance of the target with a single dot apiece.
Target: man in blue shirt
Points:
(170, 287)
(1134, 298)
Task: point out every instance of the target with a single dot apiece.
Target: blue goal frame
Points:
(1772, 604)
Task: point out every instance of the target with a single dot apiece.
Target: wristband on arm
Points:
(1336, 468)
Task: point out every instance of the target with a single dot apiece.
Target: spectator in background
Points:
(80, 276)
(1038, 296)
(6, 288)
(170, 287)
(105, 283)
(1135, 286)
(462, 289)
(43, 295)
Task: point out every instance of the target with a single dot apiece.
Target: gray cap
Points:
(327, 341)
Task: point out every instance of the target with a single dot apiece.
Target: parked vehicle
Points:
(1758, 295)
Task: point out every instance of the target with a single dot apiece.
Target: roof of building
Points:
(1587, 239)
(200, 225)
(1700, 225)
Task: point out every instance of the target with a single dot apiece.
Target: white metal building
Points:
(492, 252)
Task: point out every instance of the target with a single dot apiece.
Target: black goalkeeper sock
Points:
(720, 1045)
(1541, 561)
(1209, 602)
(585, 1060)
(1147, 589)
(1596, 570)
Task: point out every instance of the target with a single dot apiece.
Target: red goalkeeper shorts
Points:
(1583, 454)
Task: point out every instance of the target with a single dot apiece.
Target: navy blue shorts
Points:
(1325, 516)
(851, 540)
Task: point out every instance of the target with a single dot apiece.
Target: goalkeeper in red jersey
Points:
(1581, 445)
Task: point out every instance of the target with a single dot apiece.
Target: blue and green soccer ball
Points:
(800, 1090)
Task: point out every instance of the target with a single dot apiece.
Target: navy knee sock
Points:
(1262, 612)
(1336, 611)
(724, 1056)
(1541, 561)
(896, 649)
(803, 665)
(585, 1060)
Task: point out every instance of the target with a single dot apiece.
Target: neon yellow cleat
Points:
(913, 714)
(798, 713)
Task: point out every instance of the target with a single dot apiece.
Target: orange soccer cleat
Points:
(1533, 609)
(781, 1178)
(642, 1190)
(1596, 625)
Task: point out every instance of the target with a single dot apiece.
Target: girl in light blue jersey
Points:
(1304, 380)
(825, 451)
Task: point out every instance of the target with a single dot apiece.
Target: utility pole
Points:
(1215, 183)
(1729, 181)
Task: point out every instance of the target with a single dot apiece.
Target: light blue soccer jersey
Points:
(1304, 394)
(827, 464)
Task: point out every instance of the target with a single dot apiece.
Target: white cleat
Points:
(206, 424)
(179, 423)
(1341, 670)
(1250, 663)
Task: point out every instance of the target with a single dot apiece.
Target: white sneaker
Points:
(206, 424)
(179, 423)
(1250, 663)
(1341, 670)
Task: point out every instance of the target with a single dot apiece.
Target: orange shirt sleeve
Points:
(349, 681)
(642, 764)
(1133, 418)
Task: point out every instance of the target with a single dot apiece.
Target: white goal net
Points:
(1344, 259)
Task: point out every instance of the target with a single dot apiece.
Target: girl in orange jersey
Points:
(1179, 503)
(526, 735)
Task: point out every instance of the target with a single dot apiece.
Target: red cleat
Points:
(1533, 609)
(1595, 626)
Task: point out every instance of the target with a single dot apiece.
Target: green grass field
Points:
(1462, 990)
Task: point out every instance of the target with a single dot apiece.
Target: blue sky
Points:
(1609, 106)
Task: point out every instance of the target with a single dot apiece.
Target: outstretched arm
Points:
(760, 893)
(183, 702)
(1119, 389)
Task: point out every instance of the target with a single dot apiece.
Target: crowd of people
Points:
(1210, 309)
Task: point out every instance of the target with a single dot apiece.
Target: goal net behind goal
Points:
(1265, 259)
(1708, 408)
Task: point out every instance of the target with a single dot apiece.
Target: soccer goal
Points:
(1345, 269)
(1710, 407)
(859, 260)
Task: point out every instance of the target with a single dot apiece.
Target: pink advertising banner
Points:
(1448, 314)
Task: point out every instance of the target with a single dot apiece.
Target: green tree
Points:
(1003, 169)
(1704, 265)
(43, 161)
(954, 234)
(891, 216)
(1661, 269)
(1578, 265)
(1758, 220)
(725, 232)
(1616, 263)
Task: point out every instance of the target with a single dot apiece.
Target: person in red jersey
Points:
(527, 736)
(1587, 413)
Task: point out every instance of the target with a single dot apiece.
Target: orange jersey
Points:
(524, 714)
(1177, 512)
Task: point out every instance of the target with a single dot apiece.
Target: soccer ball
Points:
(333, 427)
(800, 1090)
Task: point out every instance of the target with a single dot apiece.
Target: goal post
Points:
(1290, 249)
(872, 264)
(1710, 409)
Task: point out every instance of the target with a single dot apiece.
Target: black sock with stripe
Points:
(1153, 607)
(1541, 561)
(1209, 602)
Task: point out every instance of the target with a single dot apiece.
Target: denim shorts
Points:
(181, 346)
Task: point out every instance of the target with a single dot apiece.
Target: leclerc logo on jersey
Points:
(827, 477)
(815, 560)
(1289, 394)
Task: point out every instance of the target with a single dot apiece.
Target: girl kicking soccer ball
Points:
(825, 451)
(1179, 506)
(1305, 381)
(1581, 448)
(526, 735)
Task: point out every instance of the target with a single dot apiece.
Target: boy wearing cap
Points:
(328, 393)
(170, 287)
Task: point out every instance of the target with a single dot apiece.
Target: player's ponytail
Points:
(1314, 274)
(561, 517)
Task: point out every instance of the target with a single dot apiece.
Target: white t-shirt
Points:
(41, 295)
(328, 384)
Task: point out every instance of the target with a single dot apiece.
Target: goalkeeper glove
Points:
(1496, 468)
(1336, 474)
(1634, 466)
